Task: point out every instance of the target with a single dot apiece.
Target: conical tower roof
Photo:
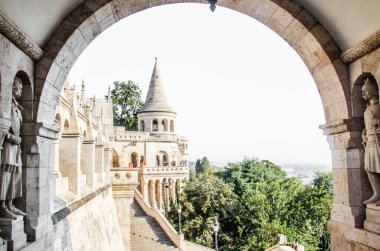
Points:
(156, 100)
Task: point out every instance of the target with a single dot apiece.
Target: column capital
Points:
(347, 125)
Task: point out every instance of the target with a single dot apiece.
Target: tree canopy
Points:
(126, 98)
(255, 201)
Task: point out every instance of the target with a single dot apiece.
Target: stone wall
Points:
(93, 226)
(353, 225)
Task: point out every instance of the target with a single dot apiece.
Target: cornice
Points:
(367, 46)
(19, 38)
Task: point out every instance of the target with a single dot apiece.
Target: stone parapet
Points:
(124, 177)
(165, 170)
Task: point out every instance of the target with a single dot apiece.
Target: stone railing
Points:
(164, 169)
(122, 176)
(188, 246)
(174, 236)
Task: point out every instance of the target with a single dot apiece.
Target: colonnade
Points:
(159, 193)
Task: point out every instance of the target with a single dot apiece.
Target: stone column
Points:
(70, 160)
(153, 196)
(123, 196)
(99, 163)
(56, 172)
(38, 142)
(350, 182)
(88, 162)
(107, 164)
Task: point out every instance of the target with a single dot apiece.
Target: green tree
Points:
(202, 165)
(203, 198)
(126, 99)
(255, 201)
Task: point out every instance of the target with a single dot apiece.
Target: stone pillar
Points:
(172, 191)
(350, 182)
(123, 196)
(37, 171)
(99, 163)
(88, 162)
(70, 160)
(153, 196)
(107, 164)
(56, 172)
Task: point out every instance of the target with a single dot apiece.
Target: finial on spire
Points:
(155, 59)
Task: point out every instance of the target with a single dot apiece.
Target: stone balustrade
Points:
(164, 170)
(122, 176)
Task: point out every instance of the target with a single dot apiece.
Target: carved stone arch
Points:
(288, 19)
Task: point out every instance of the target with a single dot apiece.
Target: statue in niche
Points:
(370, 93)
(11, 166)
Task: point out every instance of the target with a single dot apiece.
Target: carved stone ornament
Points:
(20, 39)
(367, 46)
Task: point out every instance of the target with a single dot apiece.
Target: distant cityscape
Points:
(303, 172)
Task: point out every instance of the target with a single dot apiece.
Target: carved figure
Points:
(11, 166)
(370, 135)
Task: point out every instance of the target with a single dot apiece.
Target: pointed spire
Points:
(156, 100)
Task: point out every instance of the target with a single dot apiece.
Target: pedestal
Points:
(13, 232)
(372, 221)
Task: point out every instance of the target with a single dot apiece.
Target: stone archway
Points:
(289, 20)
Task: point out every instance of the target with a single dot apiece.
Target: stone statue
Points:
(370, 93)
(10, 174)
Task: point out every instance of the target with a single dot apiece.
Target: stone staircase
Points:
(146, 233)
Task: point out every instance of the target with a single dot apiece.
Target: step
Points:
(146, 233)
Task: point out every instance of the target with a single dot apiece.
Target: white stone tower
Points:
(156, 116)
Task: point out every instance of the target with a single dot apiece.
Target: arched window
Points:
(164, 160)
(134, 159)
(155, 126)
(158, 162)
(115, 159)
(66, 126)
(58, 121)
(142, 125)
(164, 125)
(171, 125)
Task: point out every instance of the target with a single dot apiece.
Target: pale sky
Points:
(239, 90)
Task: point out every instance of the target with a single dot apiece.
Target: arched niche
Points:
(155, 125)
(142, 125)
(358, 104)
(26, 99)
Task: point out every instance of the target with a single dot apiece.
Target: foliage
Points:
(255, 201)
(126, 99)
(202, 166)
(203, 198)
